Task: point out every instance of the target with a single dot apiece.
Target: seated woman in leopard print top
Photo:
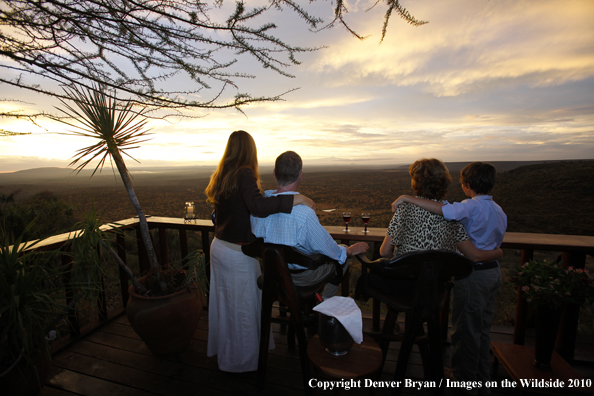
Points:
(413, 228)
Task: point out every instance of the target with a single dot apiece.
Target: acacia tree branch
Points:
(138, 46)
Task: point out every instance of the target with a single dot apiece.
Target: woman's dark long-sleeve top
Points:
(233, 212)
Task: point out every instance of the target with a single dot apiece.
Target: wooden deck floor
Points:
(112, 361)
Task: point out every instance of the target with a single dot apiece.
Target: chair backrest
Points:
(278, 286)
(430, 269)
(277, 276)
(291, 255)
(446, 263)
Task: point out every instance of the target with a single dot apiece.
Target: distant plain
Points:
(548, 196)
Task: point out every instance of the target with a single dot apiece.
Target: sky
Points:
(483, 80)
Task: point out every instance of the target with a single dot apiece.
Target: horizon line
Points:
(314, 165)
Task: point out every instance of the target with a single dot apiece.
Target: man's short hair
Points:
(479, 176)
(287, 168)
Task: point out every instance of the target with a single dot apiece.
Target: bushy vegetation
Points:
(553, 198)
(51, 214)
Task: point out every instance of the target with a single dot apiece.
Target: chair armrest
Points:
(254, 248)
(292, 255)
(313, 261)
(362, 257)
(373, 266)
(386, 267)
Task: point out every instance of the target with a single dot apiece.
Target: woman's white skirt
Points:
(234, 308)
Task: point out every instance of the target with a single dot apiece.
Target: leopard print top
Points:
(413, 228)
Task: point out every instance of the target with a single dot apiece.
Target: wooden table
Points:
(362, 361)
(517, 360)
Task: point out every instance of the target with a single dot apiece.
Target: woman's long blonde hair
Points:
(240, 153)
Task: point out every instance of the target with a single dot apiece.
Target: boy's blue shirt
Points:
(484, 220)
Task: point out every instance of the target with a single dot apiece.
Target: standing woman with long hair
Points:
(235, 300)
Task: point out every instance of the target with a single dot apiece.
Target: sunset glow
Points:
(484, 80)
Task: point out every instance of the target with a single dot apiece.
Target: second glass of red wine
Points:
(346, 216)
(365, 216)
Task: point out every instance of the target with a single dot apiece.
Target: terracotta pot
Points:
(546, 324)
(165, 324)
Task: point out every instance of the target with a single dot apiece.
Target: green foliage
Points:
(116, 125)
(88, 254)
(117, 128)
(551, 198)
(195, 276)
(32, 284)
(199, 42)
(30, 299)
(51, 215)
(394, 5)
(551, 284)
(196, 267)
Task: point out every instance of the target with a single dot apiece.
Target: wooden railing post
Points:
(163, 247)
(522, 305)
(102, 300)
(183, 245)
(567, 334)
(143, 261)
(376, 305)
(73, 322)
(206, 244)
(346, 279)
(121, 242)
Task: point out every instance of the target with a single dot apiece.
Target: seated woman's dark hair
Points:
(430, 178)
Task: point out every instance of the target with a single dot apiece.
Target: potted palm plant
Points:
(117, 127)
(548, 287)
(32, 301)
(27, 305)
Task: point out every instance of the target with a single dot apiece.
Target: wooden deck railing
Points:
(574, 249)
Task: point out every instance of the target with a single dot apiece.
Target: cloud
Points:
(492, 80)
(472, 46)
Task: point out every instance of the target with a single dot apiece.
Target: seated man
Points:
(301, 228)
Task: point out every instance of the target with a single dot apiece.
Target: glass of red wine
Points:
(346, 216)
(365, 216)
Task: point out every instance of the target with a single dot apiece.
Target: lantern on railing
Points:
(190, 214)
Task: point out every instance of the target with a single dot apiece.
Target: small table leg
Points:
(495, 366)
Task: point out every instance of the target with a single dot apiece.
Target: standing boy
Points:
(474, 296)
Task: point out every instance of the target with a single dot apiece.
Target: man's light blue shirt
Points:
(484, 220)
(301, 229)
